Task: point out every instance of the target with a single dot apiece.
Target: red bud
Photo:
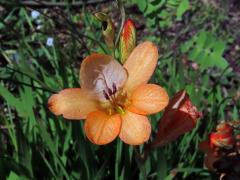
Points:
(179, 117)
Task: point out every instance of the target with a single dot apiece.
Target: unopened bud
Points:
(224, 128)
(221, 140)
(127, 40)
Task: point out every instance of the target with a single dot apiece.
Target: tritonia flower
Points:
(114, 99)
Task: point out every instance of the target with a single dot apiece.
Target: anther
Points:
(110, 92)
(106, 95)
(114, 88)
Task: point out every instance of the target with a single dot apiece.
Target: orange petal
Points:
(148, 99)
(73, 103)
(100, 73)
(135, 129)
(141, 64)
(224, 127)
(101, 128)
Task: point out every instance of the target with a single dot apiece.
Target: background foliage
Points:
(199, 48)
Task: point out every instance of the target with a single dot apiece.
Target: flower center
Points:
(116, 98)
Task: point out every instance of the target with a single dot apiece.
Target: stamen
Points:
(114, 88)
(106, 95)
(110, 92)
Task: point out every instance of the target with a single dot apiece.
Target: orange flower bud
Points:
(108, 29)
(221, 140)
(224, 128)
(127, 40)
(216, 143)
(179, 117)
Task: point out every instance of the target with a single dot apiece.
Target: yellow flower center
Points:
(116, 100)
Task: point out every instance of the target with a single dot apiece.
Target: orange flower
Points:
(114, 99)
(180, 116)
(222, 139)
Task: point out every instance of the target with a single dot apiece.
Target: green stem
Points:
(118, 158)
(140, 162)
(123, 16)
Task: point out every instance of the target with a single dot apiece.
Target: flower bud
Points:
(127, 40)
(221, 140)
(224, 128)
(179, 117)
(108, 28)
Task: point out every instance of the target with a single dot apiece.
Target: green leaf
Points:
(182, 8)
(142, 4)
(11, 100)
(13, 176)
(206, 50)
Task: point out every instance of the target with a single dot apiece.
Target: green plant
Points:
(206, 50)
(162, 13)
(37, 145)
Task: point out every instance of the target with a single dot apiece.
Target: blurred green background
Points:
(41, 49)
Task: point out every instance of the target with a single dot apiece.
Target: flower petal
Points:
(135, 129)
(100, 73)
(148, 99)
(141, 64)
(101, 128)
(73, 103)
